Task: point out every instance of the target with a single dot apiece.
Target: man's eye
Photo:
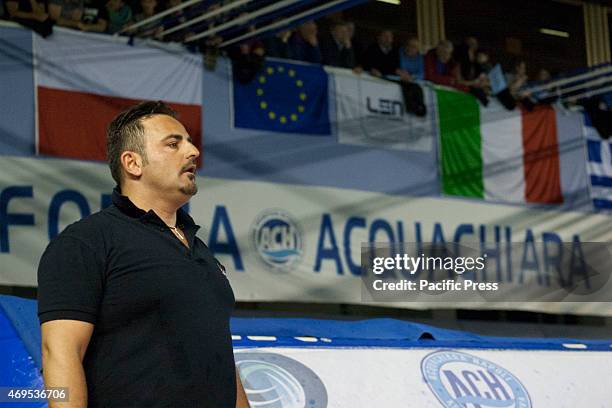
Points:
(173, 144)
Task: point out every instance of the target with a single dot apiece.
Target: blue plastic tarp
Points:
(18, 367)
(20, 359)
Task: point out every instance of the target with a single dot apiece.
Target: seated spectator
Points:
(483, 63)
(440, 67)
(517, 79)
(380, 58)
(496, 81)
(338, 50)
(208, 46)
(357, 47)
(278, 45)
(178, 16)
(247, 57)
(544, 75)
(305, 44)
(31, 14)
(547, 95)
(85, 15)
(465, 56)
(470, 74)
(600, 114)
(119, 15)
(147, 9)
(411, 59)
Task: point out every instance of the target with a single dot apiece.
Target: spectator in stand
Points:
(305, 44)
(483, 63)
(176, 18)
(209, 46)
(147, 9)
(85, 15)
(411, 59)
(278, 45)
(357, 47)
(547, 95)
(31, 14)
(599, 113)
(119, 15)
(465, 56)
(381, 58)
(544, 75)
(494, 80)
(338, 50)
(517, 79)
(67, 13)
(247, 57)
(440, 67)
(469, 73)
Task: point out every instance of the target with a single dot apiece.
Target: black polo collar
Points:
(127, 207)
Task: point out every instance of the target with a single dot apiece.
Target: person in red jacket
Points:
(440, 68)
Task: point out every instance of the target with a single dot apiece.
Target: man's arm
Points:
(12, 7)
(64, 343)
(98, 27)
(55, 12)
(241, 401)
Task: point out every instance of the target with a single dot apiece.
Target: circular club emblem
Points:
(277, 239)
(276, 381)
(461, 380)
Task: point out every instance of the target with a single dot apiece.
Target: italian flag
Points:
(499, 155)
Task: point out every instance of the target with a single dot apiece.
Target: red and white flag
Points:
(83, 80)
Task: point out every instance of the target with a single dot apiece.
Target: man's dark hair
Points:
(338, 23)
(126, 132)
(382, 31)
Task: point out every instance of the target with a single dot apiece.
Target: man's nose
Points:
(194, 153)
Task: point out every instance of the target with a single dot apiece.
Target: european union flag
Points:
(283, 97)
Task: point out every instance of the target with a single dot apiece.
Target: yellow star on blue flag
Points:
(284, 97)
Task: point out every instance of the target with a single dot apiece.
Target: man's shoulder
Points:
(90, 230)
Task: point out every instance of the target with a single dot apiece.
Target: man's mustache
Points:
(191, 167)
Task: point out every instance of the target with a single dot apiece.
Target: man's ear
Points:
(131, 163)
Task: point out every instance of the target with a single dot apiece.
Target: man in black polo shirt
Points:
(134, 308)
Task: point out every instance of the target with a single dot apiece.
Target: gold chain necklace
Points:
(177, 232)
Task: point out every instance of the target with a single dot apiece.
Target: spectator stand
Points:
(269, 17)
